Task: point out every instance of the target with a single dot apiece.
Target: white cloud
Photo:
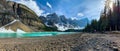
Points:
(80, 14)
(45, 14)
(49, 5)
(32, 5)
(93, 12)
(75, 18)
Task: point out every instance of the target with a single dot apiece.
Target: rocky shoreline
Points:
(72, 42)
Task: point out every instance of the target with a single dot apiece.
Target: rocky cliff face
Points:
(10, 11)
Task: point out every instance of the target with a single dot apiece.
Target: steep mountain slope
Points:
(10, 11)
(15, 25)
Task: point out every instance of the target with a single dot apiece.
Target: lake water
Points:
(33, 34)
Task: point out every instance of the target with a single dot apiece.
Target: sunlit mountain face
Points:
(78, 9)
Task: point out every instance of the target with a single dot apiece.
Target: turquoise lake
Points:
(33, 34)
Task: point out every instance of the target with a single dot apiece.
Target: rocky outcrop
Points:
(6, 13)
(10, 11)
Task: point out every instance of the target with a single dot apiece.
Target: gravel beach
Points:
(71, 42)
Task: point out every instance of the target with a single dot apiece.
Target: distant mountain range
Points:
(63, 23)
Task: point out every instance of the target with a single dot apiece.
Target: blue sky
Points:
(76, 9)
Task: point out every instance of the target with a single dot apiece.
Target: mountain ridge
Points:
(62, 23)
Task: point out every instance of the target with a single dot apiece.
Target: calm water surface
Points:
(33, 34)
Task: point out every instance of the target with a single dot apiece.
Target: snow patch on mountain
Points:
(20, 31)
(61, 28)
(11, 22)
(64, 28)
(4, 30)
